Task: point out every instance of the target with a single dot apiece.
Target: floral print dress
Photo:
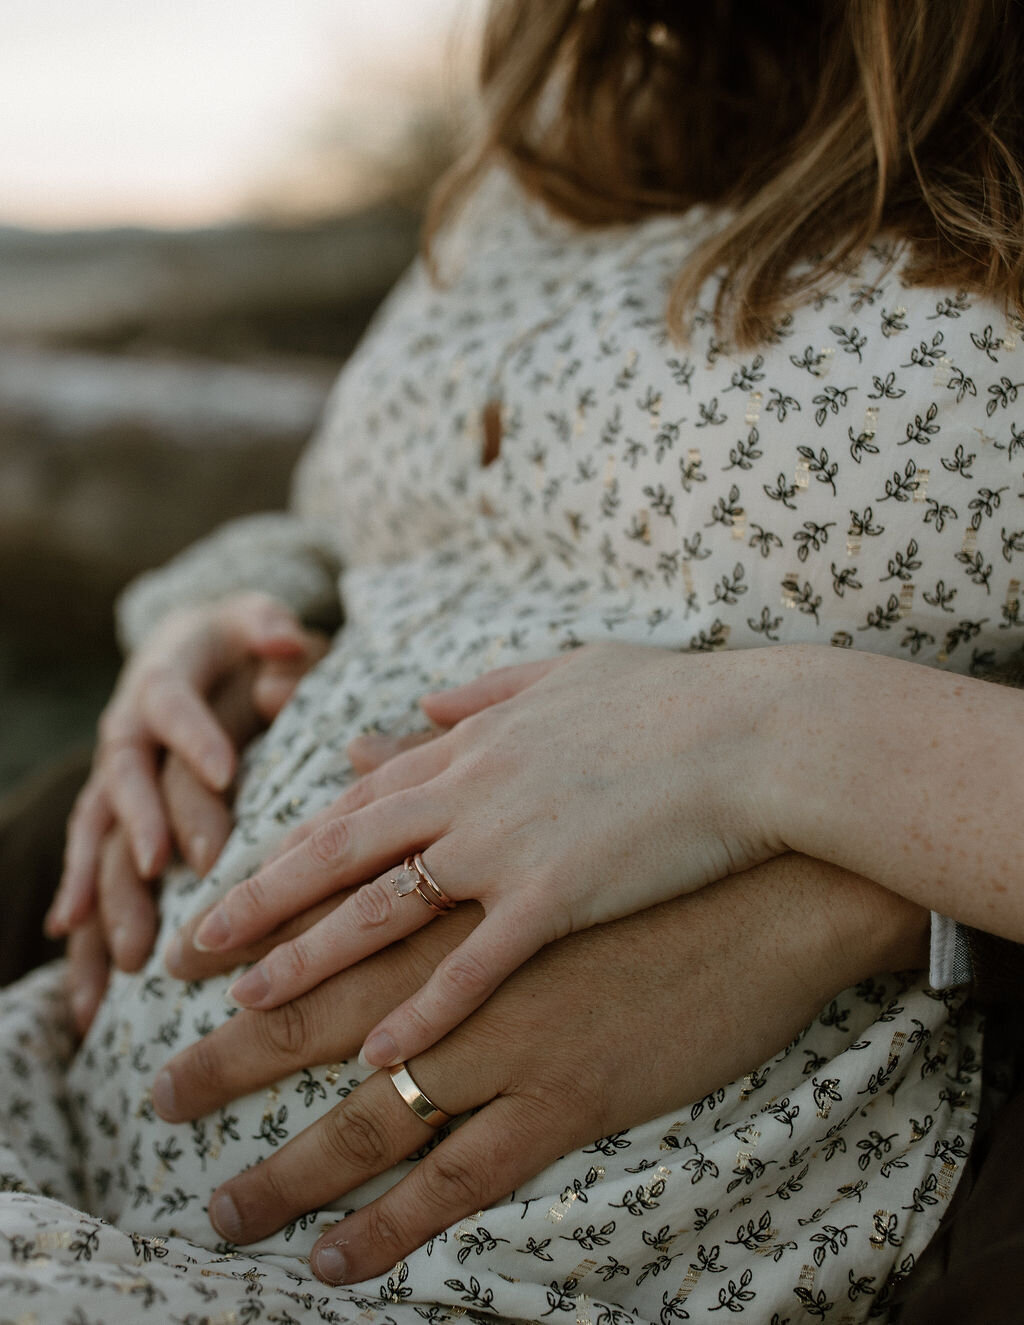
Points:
(855, 481)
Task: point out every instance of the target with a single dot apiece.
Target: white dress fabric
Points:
(856, 481)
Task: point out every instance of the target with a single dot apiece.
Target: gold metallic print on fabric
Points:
(48, 1240)
(688, 1284)
(767, 1247)
(465, 1229)
(806, 1280)
(899, 1039)
(666, 1144)
(584, 1268)
(882, 1222)
(944, 1185)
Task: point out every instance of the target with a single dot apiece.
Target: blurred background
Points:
(201, 204)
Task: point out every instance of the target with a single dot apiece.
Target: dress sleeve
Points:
(285, 555)
(950, 956)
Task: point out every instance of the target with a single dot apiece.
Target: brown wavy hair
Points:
(819, 125)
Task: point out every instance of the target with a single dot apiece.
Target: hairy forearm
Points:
(909, 776)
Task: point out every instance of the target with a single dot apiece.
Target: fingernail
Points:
(163, 1095)
(329, 1265)
(251, 988)
(174, 955)
(214, 933)
(55, 922)
(379, 1050)
(217, 769)
(81, 1004)
(225, 1218)
(147, 853)
(371, 740)
(200, 846)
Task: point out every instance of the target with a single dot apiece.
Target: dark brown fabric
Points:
(998, 968)
(972, 1272)
(32, 824)
(998, 963)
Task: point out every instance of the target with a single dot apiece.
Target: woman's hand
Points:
(200, 687)
(530, 1057)
(569, 793)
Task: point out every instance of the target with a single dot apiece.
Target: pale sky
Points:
(178, 112)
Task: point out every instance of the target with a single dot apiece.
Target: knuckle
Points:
(120, 762)
(381, 1230)
(81, 811)
(293, 962)
(372, 904)
(578, 1092)
(328, 842)
(110, 726)
(359, 795)
(354, 1139)
(465, 974)
(472, 728)
(453, 1183)
(200, 1065)
(417, 1024)
(265, 1188)
(285, 1030)
(152, 680)
(250, 897)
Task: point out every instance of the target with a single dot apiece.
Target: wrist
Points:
(827, 750)
(872, 930)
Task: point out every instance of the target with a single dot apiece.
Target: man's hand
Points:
(529, 1056)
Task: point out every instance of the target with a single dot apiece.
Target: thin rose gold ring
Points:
(415, 1098)
(414, 877)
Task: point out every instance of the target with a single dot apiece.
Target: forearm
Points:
(281, 554)
(839, 925)
(909, 776)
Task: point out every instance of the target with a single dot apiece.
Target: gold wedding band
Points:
(415, 1098)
